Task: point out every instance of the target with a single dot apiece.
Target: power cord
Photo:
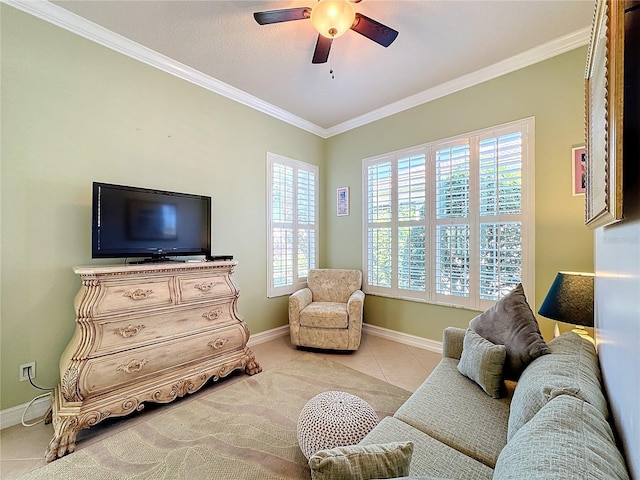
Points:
(34, 385)
(24, 413)
(25, 424)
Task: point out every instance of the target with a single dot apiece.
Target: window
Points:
(292, 200)
(450, 222)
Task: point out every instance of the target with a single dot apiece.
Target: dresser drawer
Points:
(127, 297)
(104, 374)
(194, 289)
(137, 330)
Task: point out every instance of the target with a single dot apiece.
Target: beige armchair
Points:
(328, 313)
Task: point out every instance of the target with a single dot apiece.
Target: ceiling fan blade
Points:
(373, 30)
(321, 54)
(285, 15)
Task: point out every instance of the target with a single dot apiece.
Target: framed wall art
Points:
(343, 201)
(578, 170)
(604, 101)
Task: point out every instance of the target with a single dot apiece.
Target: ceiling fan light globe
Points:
(331, 18)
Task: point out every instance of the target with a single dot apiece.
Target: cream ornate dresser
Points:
(146, 333)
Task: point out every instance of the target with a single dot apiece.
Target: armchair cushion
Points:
(324, 315)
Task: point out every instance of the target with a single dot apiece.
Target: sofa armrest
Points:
(452, 340)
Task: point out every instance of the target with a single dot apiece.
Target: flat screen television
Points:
(141, 222)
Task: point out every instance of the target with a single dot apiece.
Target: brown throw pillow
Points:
(510, 322)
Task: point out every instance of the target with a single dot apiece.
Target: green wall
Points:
(550, 91)
(73, 112)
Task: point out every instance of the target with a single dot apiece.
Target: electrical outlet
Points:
(26, 370)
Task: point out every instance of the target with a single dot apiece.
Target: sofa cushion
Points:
(482, 362)
(454, 410)
(567, 438)
(571, 368)
(324, 315)
(430, 458)
(510, 322)
(362, 462)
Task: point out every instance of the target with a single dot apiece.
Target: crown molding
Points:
(73, 23)
(80, 26)
(535, 55)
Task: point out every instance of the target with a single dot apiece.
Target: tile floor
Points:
(22, 449)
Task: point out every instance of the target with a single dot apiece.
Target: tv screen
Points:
(141, 222)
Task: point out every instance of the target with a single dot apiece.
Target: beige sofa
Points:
(552, 423)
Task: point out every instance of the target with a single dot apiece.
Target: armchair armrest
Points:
(355, 305)
(297, 302)
(452, 340)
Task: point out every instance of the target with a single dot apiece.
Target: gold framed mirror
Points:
(604, 81)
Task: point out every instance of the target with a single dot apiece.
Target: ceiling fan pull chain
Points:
(331, 67)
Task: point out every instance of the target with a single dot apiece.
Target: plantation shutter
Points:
(411, 222)
(379, 191)
(293, 223)
(306, 223)
(500, 209)
(449, 222)
(452, 220)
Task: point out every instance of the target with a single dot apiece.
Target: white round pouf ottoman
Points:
(334, 419)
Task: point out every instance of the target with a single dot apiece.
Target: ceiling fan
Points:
(331, 18)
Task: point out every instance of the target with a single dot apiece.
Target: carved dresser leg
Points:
(65, 430)
(48, 416)
(252, 366)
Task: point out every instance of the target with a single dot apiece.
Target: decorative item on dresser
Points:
(146, 333)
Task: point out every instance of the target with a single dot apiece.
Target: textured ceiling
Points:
(439, 41)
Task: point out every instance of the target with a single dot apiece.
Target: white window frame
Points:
(298, 281)
(527, 217)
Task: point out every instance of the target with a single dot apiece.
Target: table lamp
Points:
(570, 300)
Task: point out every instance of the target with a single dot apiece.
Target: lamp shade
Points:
(331, 18)
(570, 299)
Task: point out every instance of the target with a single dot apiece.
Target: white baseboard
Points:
(267, 336)
(405, 338)
(13, 416)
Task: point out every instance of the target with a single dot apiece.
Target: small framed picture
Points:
(343, 201)
(578, 170)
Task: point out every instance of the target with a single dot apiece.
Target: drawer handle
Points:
(204, 286)
(128, 331)
(139, 294)
(134, 366)
(218, 343)
(213, 314)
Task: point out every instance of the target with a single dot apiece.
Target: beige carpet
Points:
(242, 431)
